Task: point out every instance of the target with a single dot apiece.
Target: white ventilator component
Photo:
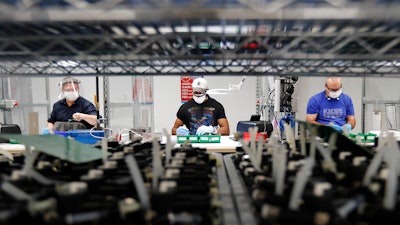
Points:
(231, 88)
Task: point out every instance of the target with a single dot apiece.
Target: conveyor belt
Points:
(241, 197)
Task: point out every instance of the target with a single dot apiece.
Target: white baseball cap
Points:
(200, 84)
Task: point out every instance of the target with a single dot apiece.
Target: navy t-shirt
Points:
(63, 113)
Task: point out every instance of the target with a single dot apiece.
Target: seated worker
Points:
(72, 108)
(202, 114)
(332, 107)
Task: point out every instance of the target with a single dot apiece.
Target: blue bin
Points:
(83, 136)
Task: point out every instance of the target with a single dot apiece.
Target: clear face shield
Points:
(69, 88)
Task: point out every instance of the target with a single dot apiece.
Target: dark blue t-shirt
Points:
(63, 113)
(330, 110)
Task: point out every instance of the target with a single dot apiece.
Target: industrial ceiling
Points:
(200, 37)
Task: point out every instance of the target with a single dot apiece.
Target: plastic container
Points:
(199, 138)
(193, 138)
(190, 138)
(181, 139)
(83, 136)
(263, 135)
(210, 139)
(363, 138)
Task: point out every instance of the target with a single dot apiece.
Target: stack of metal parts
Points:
(322, 178)
(133, 183)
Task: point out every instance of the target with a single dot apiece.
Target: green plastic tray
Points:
(188, 138)
(199, 139)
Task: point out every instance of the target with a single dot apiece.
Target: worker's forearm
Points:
(91, 119)
(50, 125)
(313, 122)
(223, 131)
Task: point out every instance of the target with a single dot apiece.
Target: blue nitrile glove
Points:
(337, 127)
(347, 127)
(46, 131)
(205, 129)
(182, 131)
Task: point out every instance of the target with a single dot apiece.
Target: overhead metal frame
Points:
(270, 37)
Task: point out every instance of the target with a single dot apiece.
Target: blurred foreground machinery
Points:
(322, 178)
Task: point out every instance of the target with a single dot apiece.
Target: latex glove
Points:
(45, 131)
(337, 127)
(182, 131)
(347, 127)
(205, 129)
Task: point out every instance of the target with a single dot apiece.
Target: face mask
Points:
(71, 95)
(200, 99)
(335, 94)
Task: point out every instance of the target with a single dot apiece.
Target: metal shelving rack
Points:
(216, 37)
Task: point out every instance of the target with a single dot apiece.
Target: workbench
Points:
(226, 145)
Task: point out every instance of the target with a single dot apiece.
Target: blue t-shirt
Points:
(330, 110)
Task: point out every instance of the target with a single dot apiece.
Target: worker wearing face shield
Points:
(332, 107)
(202, 114)
(72, 109)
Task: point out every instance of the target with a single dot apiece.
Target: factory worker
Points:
(202, 114)
(332, 107)
(72, 108)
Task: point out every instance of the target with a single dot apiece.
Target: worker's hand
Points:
(205, 130)
(347, 127)
(182, 131)
(78, 116)
(336, 127)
